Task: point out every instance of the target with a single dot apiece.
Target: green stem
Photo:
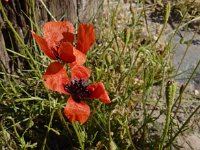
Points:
(183, 89)
(184, 54)
(62, 119)
(182, 127)
(145, 17)
(48, 129)
(170, 94)
(20, 41)
(166, 128)
(78, 135)
(167, 14)
(130, 138)
(126, 126)
(5, 136)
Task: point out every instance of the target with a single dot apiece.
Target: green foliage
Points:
(135, 69)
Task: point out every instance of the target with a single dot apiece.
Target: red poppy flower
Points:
(77, 87)
(85, 37)
(57, 43)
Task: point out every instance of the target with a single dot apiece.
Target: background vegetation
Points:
(132, 60)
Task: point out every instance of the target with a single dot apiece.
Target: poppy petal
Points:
(68, 37)
(98, 91)
(85, 37)
(80, 58)
(54, 32)
(77, 111)
(80, 72)
(56, 77)
(65, 52)
(43, 45)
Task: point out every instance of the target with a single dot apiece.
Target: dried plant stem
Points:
(48, 10)
(185, 24)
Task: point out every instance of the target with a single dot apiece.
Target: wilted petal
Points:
(80, 72)
(85, 37)
(43, 45)
(56, 77)
(54, 32)
(77, 111)
(66, 52)
(98, 91)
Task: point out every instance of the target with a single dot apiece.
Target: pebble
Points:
(196, 92)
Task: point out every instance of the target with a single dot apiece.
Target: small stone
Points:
(196, 92)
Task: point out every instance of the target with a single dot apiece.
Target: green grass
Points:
(135, 70)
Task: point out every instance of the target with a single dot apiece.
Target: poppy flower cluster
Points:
(58, 45)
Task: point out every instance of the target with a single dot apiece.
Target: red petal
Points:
(66, 53)
(80, 72)
(77, 111)
(56, 77)
(54, 32)
(80, 58)
(85, 37)
(98, 91)
(68, 37)
(43, 45)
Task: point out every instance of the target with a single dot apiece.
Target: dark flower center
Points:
(78, 89)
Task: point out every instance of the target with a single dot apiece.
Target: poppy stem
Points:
(62, 119)
(81, 141)
(48, 129)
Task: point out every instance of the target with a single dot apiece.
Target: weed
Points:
(135, 66)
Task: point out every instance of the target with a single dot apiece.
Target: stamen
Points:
(78, 89)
